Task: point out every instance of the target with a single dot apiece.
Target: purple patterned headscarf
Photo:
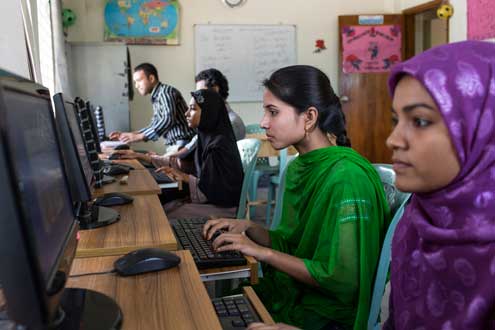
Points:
(443, 251)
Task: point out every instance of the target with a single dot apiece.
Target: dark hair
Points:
(214, 77)
(304, 86)
(148, 69)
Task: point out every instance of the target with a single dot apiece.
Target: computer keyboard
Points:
(235, 312)
(160, 177)
(189, 234)
(146, 164)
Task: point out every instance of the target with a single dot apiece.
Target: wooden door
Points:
(365, 100)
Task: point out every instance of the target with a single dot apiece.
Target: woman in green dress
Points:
(319, 263)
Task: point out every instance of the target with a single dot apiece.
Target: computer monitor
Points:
(92, 124)
(91, 142)
(38, 233)
(73, 150)
(78, 167)
(100, 122)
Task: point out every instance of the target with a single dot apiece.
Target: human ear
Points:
(311, 119)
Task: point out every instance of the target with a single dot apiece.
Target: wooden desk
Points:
(258, 305)
(140, 183)
(171, 299)
(250, 270)
(266, 149)
(142, 224)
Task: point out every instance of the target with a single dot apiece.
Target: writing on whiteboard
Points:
(246, 54)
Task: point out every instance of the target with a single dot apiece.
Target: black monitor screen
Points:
(94, 129)
(35, 156)
(70, 110)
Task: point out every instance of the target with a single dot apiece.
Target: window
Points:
(45, 42)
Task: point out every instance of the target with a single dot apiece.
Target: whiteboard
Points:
(245, 54)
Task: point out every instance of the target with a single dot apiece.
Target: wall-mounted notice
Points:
(481, 24)
(246, 54)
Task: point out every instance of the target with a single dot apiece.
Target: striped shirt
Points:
(169, 120)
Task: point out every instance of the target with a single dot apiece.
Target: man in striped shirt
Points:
(169, 109)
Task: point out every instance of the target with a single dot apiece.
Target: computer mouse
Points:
(115, 169)
(114, 198)
(122, 147)
(144, 261)
(114, 156)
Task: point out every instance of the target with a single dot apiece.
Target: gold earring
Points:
(332, 139)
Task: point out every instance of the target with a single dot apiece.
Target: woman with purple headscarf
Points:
(443, 251)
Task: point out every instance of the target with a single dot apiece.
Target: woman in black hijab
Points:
(215, 186)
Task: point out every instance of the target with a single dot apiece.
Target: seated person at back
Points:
(216, 180)
(207, 79)
(215, 80)
(443, 251)
(320, 261)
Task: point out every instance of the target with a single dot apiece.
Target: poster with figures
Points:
(370, 48)
(142, 21)
(480, 25)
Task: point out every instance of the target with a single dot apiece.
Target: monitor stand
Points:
(86, 309)
(95, 216)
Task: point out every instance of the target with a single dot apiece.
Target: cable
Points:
(95, 273)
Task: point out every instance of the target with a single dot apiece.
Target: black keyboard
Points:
(189, 234)
(235, 312)
(160, 177)
(146, 164)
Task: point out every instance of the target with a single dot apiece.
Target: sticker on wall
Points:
(319, 46)
(142, 21)
(370, 48)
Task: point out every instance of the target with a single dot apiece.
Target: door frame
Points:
(410, 25)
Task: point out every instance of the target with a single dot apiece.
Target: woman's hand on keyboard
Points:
(241, 243)
(231, 225)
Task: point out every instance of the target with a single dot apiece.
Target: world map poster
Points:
(142, 21)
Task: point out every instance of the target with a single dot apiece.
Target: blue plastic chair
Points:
(277, 214)
(397, 201)
(275, 182)
(248, 149)
(395, 197)
(262, 167)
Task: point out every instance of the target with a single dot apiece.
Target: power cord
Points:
(95, 273)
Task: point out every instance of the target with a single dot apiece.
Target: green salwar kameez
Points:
(334, 218)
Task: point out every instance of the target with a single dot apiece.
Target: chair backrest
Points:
(397, 201)
(248, 149)
(395, 197)
(277, 214)
(254, 129)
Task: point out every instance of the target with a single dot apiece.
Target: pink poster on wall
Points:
(481, 24)
(370, 48)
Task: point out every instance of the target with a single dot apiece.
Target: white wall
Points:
(13, 53)
(315, 19)
(457, 23)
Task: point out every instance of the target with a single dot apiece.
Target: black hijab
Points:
(217, 160)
